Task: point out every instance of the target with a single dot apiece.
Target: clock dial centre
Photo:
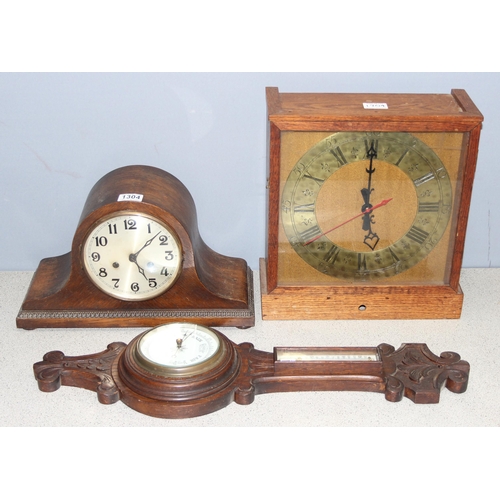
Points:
(340, 199)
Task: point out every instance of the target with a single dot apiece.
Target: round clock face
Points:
(366, 205)
(131, 256)
(178, 348)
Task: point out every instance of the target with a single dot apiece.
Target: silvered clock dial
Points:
(132, 257)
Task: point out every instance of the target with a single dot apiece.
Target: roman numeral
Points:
(401, 158)
(424, 178)
(371, 148)
(339, 156)
(361, 262)
(315, 179)
(310, 233)
(395, 259)
(416, 234)
(332, 254)
(304, 208)
(428, 207)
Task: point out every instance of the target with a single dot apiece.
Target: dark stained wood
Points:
(411, 371)
(214, 289)
(273, 205)
(333, 112)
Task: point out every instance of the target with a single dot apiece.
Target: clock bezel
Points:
(179, 371)
(133, 213)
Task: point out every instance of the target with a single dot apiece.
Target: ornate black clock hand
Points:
(371, 239)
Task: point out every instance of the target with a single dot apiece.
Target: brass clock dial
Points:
(132, 257)
(366, 205)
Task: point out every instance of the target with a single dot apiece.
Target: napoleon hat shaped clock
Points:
(369, 197)
(138, 259)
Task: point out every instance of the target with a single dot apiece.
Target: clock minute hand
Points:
(146, 244)
(367, 211)
(367, 191)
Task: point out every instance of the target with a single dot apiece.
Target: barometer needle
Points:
(183, 339)
(367, 211)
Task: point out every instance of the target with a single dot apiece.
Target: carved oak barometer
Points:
(185, 370)
(369, 196)
(137, 259)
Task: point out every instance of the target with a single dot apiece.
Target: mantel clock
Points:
(369, 197)
(138, 259)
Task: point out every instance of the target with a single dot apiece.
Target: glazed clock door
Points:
(367, 207)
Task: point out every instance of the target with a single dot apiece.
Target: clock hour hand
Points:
(133, 258)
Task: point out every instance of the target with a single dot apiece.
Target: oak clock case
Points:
(183, 370)
(368, 203)
(138, 259)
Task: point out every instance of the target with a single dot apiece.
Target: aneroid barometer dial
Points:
(178, 349)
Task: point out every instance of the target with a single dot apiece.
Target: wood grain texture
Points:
(358, 302)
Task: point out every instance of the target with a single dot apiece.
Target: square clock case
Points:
(368, 200)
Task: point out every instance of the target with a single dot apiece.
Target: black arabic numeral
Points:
(101, 241)
(130, 224)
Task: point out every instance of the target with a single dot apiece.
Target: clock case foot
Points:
(411, 371)
(212, 290)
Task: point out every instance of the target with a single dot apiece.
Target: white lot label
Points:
(130, 197)
(375, 105)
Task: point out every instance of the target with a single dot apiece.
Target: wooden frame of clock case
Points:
(341, 112)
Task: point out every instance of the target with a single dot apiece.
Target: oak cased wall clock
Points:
(138, 259)
(369, 197)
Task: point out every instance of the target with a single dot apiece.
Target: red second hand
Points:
(367, 211)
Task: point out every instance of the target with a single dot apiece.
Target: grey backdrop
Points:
(61, 132)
